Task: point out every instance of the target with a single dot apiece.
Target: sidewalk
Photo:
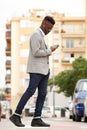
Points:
(5, 124)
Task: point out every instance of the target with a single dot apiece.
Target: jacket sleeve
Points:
(38, 46)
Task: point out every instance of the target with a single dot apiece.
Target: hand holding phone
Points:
(56, 46)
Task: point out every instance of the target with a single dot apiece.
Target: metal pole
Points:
(54, 115)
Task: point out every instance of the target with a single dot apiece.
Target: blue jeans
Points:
(36, 81)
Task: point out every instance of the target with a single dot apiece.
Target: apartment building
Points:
(68, 32)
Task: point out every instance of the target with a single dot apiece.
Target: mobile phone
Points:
(56, 46)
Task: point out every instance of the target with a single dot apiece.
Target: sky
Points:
(10, 8)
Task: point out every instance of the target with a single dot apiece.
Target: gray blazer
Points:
(38, 60)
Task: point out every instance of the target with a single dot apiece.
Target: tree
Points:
(66, 80)
(80, 66)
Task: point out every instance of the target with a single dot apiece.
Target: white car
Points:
(31, 110)
(46, 111)
(59, 111)
(80, 101)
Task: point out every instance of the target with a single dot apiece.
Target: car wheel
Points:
(85, 113)
(73, 117)
(77, 118)
(85, 119)
(70, 116)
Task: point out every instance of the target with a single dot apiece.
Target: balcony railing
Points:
(8, 33)
(66, 62)
(73, 49)
(8, 26)
(8, 49)
(8, 64)
(8, 52)
(8, 40)
(8, 78)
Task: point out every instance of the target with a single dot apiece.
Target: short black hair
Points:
(49, 19)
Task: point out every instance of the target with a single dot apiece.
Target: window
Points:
(72, 55)
(67, 57)
(24, 52)
(8, 71)
(80, 41)
(83, 86)
(24, 38)
(69, 29)
(26, 23)
(23, 68)
(69, 43)
(80, 55)
(55, 56)
(81, 29)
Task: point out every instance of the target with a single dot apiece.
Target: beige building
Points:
(69, 32)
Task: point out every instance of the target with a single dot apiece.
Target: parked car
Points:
(3, 114)
(59, 111)
(2, 111)
(31, 110)
(46, 111)
(79, 110)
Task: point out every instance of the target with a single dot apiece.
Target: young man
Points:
(38, 69)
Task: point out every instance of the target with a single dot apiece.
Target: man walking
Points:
(38, 69)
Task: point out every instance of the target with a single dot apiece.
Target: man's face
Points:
(47, 27)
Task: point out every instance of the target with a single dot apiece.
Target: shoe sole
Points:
(40, 125)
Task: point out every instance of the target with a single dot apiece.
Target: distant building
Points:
(69, 32)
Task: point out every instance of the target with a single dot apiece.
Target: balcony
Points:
(8, 25)
(74, 49)
(63, 31)
(73, 35)
(66, 62)
(8, 64)
(8, 52)
(26, 31)
(56, 29)
(55, 61)
(8, 40)
(8, 34)
(8, 78)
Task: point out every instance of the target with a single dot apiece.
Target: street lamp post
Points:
(53, 89)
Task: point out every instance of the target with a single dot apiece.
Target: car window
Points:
(83, 86)
(58, 108)
(46, 108)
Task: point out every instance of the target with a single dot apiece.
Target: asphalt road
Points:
(56, 124)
